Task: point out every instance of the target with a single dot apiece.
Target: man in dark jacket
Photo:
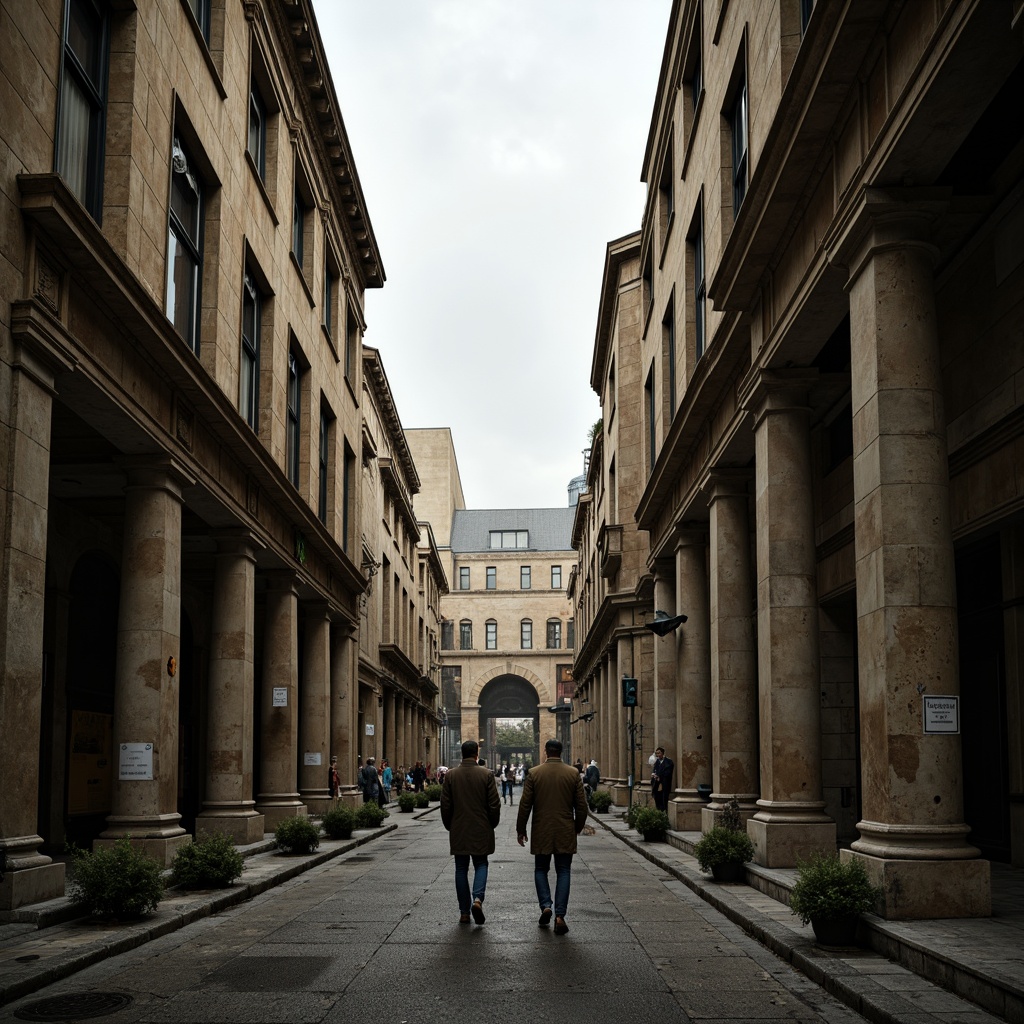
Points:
(661, 779)
(470, 810)
(553, 791)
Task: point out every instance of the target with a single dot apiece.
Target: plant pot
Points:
(728, 871)
(836, 931)
(653, 837)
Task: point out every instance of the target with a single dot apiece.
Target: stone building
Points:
(185, 254)
(399, 641)
(507, 627)
(832, 275)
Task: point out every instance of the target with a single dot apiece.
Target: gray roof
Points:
(550, 529)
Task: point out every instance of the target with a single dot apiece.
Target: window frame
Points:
(491, 635)
(554, 634)
(257, 106)
(465, 634)
(491, 576)
(525, 577)
(249, 367)
(181, 242)
(464, 577)
(526, 634)
(326, 430)
(556, 569)
(739, 131)
(293, 418)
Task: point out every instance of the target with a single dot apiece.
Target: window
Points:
(466, 635)
(651, 412)
(299, 214)
(806, 7)
(554, 634)
(330, 297)
(201, 9)
(647, 287)
(257, 144)
(666, 198)
(509, 538)
(492, 578)
(348, 484)
(324, 462)
(556, 577)
(294, 413)
(668, 343)
(526, 635)
(699, 282)
(83, 101)
(249, 372)
(184, 248)
(302, 224)
(696, 76)
(738, 128)
(492, 635)
(570, 634)
(351, 342)
(524, 577)
(463, 577)
(447, 635)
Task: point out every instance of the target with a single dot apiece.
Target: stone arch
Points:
(545, 693)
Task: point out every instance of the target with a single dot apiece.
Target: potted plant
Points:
(831, 895)
(601, 801)
(119, 882)
(210, 861)
(433, 792)
(297, 835)
(338, 822)
(370, 815)
(651, 824)
(406, 802)
(725, 847)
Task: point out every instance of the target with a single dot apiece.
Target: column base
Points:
(785, 844)
(276, 811)
(712, 813)
(686, 813)
(917, 889)
(159, 848)
(31, 885)
(242, 829)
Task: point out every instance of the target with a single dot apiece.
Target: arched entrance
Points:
(504, 698)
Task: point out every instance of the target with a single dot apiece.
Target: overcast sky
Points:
(499, 144)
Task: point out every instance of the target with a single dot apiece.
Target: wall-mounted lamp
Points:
(664, 623)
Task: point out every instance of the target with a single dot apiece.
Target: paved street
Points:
(373, 936)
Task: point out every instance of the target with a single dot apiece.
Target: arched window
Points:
(466, 635)
(526, 634)
(554, 634)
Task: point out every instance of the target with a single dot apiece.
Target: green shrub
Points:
(209, 862)
(297, 835)
(827, 889)
(118, 882)
(422, 800)
(433, 792)
(722, 845)
(338, 822)
(406, 801)
(631, 814)
(601, 801)
(652, 824)
(370, 815)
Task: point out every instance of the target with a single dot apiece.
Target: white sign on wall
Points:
(369, 729)
(311, 758)
(280, 696)
(942, 715)
(135, 762)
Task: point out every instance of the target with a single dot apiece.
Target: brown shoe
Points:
(560, 926)
(545, 917)
(478, 912)
(463, 918)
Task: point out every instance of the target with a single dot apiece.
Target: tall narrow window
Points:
(83, 101)
(323, 464)
(738, 126)
(556, 577)
(699, 285)
(524, 577)
(466, 635)
(492, 635)
(447, 636)
(651, 412)
(298, 225)
(348, 498)
(184, 248)
(526, 634)
(249, 372)
(554, 634)
(257, 145)
(668, 340)
(806, 9)
(666, 198)
(463, 577)
(201, 9)
(492, 577)
(570, 634)
(351, 342)
(294, 412)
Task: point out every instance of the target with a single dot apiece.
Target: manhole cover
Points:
(74, 1006)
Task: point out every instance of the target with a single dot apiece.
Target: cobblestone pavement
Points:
(373, 936)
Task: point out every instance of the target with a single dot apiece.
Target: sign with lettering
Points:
(280, 696)
(369, 728)
(942, 715)
(135, 763)
(311, 758)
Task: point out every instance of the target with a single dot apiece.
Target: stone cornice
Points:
(377, 380)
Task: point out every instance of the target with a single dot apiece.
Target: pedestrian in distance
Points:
(386, 776)
(553, 793)
(661, 779)
(591, 780)
(470, 811)
(419, 776)
(370, 782)
(508, 782)
(333, 778)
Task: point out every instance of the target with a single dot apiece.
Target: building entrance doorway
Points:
(509, 699)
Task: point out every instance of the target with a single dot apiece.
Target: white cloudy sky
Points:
(499, 144)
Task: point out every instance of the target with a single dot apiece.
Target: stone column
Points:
(470, 722)
(28, 876)
(145, 797)
(913, 839)
(733, 648)
(662, 730)
(692, 750)
(617, 740)
(388, 750)
(343, 706)
(229, 807)
(314, 703)
(790, 823)
(279, 714)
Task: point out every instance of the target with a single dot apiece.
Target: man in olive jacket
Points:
(553, 791)
(470, 810)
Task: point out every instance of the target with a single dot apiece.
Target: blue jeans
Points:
(462, 879)
(563, 875)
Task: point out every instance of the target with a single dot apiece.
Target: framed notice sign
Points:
(942, 715)
(136, 762)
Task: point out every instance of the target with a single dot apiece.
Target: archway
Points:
(508, 698)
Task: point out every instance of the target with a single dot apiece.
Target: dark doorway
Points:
(507, 697)
(983, 726)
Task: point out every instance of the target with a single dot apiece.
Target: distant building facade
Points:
(832, 283)
(186, 251)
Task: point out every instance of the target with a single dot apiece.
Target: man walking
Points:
(553, 791)
(661, 779)
(470, 810)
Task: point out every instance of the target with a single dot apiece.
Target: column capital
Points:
(882, 219)
(772, 391)
(157, 472)
(726, 482)
(237, 541)
(691, 533)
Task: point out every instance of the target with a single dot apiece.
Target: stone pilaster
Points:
(692, 753)
(470, 723)
(733, 648)
(667, 651)
(148, 648)
(388, 750)
(790, 823)
(229, 807)
(343, 706)
(314, 701)
(29, 876)
(913, 839)
(279, 719)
